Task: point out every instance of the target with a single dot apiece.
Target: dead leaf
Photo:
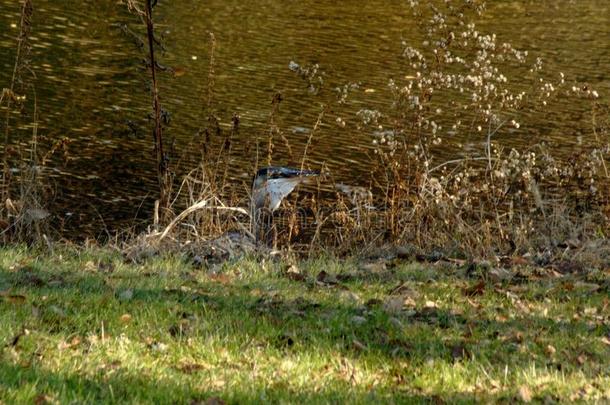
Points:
(568, 266)
(525, 394)
(430, 304)
(37, 214)
(373, 302)
(18, 336)
(581, 359)
(190, 368)
(477, 289)
(498, 275)
(550, 350)
(14, 298)
(158, 347)
(374, 267)
(125, 318)
(180, 329)
(351, 297)
(42, 399)
(294, 273)
(459, 351)
(358, 345)
(214, 401)
(285, 340)
(474, 304)
(591, 287)
(179, 71)
(221, 278)
(325, 278)
(403, 289)
(105, 267)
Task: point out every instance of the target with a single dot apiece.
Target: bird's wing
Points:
(278, 189)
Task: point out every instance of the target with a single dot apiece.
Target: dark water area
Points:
(92, 88)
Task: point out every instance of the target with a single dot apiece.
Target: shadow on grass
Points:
(242, 315)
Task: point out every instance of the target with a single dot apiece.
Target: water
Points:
(91, 86)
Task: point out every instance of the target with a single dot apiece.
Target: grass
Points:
(86, 327)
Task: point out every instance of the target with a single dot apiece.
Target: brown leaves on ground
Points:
(208, 401)
(475, 289)
(459, 352)
(294, 273)
(524, 394)
(12, 298)
(191, 368)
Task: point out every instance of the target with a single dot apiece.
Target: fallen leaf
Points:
(351, 297)
(430, 304)
(550, 350)
(325, 278)
(17, 337)
(294, 274)
(158, 347)
(15, 298)
(221, 278)
(477, 289)
(179, 71)
(525, 394)
(286, 340)
(125, 318)
(374, 267)
(358, 345)
(568, 266)
(105, 267)
(37, 214)
(403, 289)
(42, 399)
(211, 401)
(581, 359)
(499, 274)
(373, 302)
(474, 304)
(581, 285)
(459, 351)
(190, 368)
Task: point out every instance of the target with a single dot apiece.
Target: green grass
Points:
(85, 327)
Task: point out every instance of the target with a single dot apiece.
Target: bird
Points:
(269, 188)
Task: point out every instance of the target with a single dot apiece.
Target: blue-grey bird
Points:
(272, 184)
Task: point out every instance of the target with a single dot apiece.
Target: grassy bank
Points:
(84, 326)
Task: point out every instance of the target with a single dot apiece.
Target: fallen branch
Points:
(195, 207)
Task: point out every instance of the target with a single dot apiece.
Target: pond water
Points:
(92, 89)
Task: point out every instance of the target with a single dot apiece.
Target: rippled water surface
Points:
(92, 89)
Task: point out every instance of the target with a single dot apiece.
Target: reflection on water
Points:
(92, 89)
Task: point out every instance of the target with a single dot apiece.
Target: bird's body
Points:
(272, 184)
(269, 187)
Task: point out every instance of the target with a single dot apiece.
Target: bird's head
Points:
(277, 172)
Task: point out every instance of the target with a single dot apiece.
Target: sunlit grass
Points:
(88, 327)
